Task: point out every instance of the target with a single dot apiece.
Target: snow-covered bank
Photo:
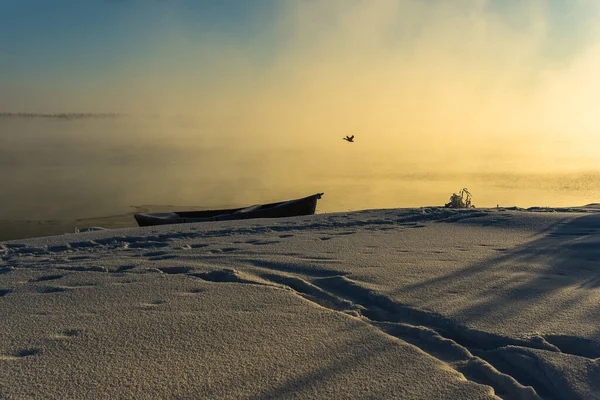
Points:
(401, 303)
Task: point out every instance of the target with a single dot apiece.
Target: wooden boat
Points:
(289, 208)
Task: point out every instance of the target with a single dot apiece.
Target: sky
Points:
(431, 71)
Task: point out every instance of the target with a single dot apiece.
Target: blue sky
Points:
(39, 37)
(47, 44)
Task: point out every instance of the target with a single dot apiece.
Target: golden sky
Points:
(445, 77)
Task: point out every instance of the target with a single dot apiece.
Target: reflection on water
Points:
(66, 170)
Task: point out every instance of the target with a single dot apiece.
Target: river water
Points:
(54, 169)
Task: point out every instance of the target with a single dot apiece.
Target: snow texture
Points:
(401, 303)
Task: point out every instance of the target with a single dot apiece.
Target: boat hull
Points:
(290, 208)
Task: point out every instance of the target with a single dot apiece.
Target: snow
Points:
(396, 303)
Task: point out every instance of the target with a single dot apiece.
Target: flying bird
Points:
(349, 138)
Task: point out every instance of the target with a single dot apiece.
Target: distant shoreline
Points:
(60, 115)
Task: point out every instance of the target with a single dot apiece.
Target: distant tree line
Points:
(60, 115)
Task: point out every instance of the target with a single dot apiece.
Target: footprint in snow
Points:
(175, 270)
(47, 278)
(224, 250)
(68, 334)
(191, 292)
(155, 253)
(164, 257)
(152, 305)
(50, 289)
(21, 354)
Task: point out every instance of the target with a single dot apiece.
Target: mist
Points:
(431, 80)
(437, 93)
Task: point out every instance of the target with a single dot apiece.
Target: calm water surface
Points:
(53, 169)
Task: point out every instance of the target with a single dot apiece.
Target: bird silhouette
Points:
(349, 138)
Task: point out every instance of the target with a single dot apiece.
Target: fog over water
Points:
(55, 169)
(498, 97)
